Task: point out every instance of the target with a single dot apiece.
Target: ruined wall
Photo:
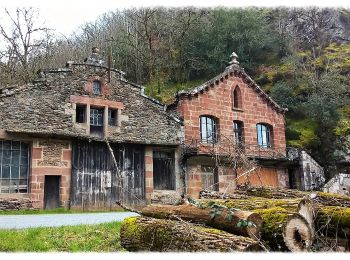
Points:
(50, 157)
(10, 202)
(313, 174)
(339, 184)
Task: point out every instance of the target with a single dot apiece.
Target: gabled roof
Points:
(233, 70)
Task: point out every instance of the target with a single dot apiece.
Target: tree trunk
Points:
(324, 198)
(149, 234)
(274, 213)
(253, 203)
(297, 234)
(328, 220)
(237, 222)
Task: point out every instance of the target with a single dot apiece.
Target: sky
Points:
(65, 16)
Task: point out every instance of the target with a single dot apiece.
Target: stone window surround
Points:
(99, 103)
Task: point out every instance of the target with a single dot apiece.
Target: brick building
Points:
(83, 136)
(231, 110)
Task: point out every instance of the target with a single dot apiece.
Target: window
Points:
(96, 117)
(264, 135)
(96, 87)
(96, 122)
(237, 98)
(238, 133)
(208, 128)
(112, 117)
(14, 167)
(80, 113)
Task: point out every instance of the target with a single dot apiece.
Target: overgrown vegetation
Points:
(299, 56)
(84, 238)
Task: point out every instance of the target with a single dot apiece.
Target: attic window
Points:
(237, 98)
(96, 87)
(112, 117)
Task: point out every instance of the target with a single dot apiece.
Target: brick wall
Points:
(217, 102)
(149, 173)
(50, 157)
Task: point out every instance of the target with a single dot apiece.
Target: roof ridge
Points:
(237, 71)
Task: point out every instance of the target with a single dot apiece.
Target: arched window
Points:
(208, 127)
(96, 87)
(264, 134)
(237, 98)
(238, 133)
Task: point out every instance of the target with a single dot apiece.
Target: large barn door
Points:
(94, 176)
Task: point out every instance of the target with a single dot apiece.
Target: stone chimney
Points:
(95, 57)
(233, 62)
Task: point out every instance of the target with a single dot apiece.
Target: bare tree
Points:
(25, 40)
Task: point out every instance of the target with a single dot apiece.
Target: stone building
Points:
(83, 136)
(55, 136)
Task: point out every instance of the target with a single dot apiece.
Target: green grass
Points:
(53, 211)
(83, 238)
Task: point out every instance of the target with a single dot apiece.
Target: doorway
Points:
(52, 192)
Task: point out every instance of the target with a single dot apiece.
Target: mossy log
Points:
(328, 199)
(274, 216)
(253, 203)
(160, 235)
(328, 220)
(237, 222)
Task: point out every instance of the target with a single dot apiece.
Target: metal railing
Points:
(225, 146)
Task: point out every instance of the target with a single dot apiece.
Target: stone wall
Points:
(339, 184)
(10, 202)
(50, 157)
(46, 107)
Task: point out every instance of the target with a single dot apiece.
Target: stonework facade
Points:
(227, 111)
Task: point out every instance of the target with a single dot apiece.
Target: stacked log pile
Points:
(252, 219)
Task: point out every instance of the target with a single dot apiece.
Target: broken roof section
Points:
(233, 69)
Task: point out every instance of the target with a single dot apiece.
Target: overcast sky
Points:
(65, 16)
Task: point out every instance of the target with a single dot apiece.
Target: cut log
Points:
(237, 222)
(329, 199)
(274, 213)
(297, 234)
(159, 235)
(324, 198)
(327, 220)
(253, 203)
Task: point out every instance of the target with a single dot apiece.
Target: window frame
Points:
(237, 98)
(97, 87)
(238, 132)
(21, 181)
(96, 115)
(115, 120)
(264, 135)
(81, 109)
(211, 133)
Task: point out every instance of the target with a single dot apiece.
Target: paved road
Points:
(56, 220)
